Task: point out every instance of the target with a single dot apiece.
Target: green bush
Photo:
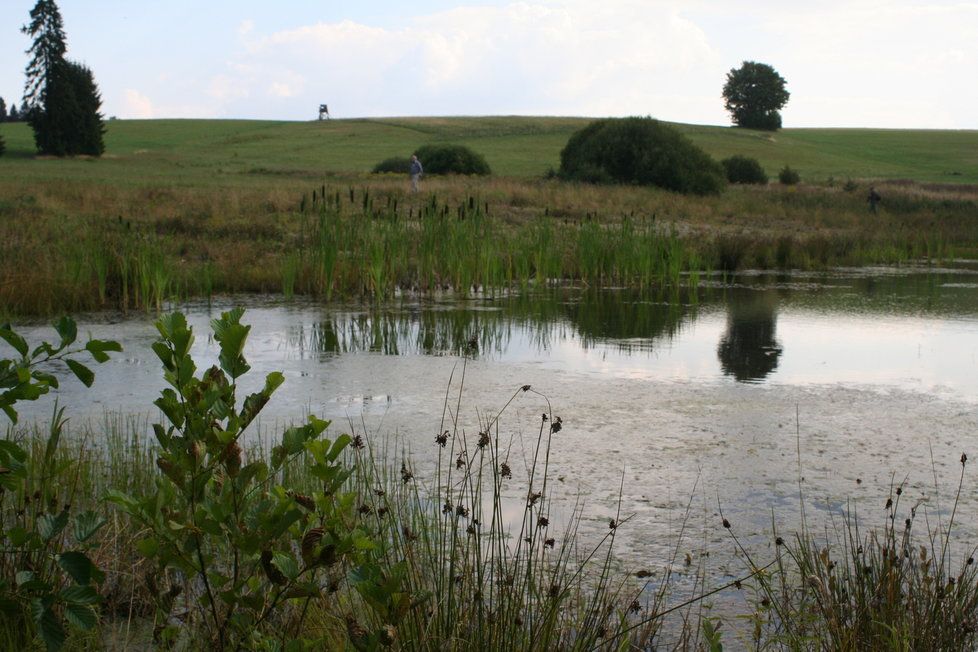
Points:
(639, 151)
(251, 547)
(3, 146)
(396, 164)
(452, 159)
(788, 177)
(49, 584)
(743, 169)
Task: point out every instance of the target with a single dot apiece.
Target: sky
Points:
(853, 63)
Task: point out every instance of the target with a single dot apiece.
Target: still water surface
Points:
(865, 377)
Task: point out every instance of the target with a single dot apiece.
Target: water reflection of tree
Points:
(749, 350)
(632, 319)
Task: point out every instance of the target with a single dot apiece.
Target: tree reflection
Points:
(748, 350)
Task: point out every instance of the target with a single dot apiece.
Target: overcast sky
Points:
(854, 63)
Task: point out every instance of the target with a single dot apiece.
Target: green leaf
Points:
(148, 547)
(341, 442)
(98, 349)
(287, 564)
(14, 340)
(45, 378)
(23, 577)
(86, 525)
(51, 630)
(163, 352)
(80, 595)
(83, 373)
(49, 526)
(17, 536)
(81, 616)
(77, 565)
(68, 331)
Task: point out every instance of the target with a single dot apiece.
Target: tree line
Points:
(12, 114)
(61, 100)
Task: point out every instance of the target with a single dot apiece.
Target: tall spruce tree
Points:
(3, 110)
(47, 51)
(61, 100)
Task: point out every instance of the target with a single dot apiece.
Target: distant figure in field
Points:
(874, 198)
(416, 172)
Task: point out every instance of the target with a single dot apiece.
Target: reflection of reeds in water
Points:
(633, 321)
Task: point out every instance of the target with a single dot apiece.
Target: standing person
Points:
(873, 199)
(416, 172)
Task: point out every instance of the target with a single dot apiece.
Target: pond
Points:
(676, 404)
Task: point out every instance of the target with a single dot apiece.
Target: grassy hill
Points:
(230, 151)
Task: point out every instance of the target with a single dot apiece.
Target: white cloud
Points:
(886, 63)
(619, 57)
(136, 105)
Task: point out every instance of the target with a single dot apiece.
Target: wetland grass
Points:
(370, 238)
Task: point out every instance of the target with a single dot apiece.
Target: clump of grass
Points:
(890, 587)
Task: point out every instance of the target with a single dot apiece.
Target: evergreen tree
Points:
(61, 100)
(14, 115)
(3, 110)
(47, 51)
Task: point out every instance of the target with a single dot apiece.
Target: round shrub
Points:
(398, 164)
(788, 177)
(639, 151)
(743, 169)
(451, 159)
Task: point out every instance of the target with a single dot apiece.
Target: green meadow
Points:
(523, 147)
(188, 208)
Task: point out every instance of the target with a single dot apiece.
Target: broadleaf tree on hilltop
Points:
(754, 95)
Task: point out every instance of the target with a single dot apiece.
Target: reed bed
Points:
(96, 247)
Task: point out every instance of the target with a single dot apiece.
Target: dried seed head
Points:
(635, 607)
(889, 503)
(303, 500)
(899, 490)
(549, 543)
(964, 458)
(462, 511)
(533, 498)
(525, 388)
(406, 475)
(483, 439)
(460, 461)
(543, 521)
(779, 541)
(612, 524)
(726, 524)
(358, 442)
(556, 425)
(442, 439)
(505, 471)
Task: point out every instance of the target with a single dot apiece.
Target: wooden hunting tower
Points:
(323, 112)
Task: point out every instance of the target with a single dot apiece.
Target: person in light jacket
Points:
(416, 172)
